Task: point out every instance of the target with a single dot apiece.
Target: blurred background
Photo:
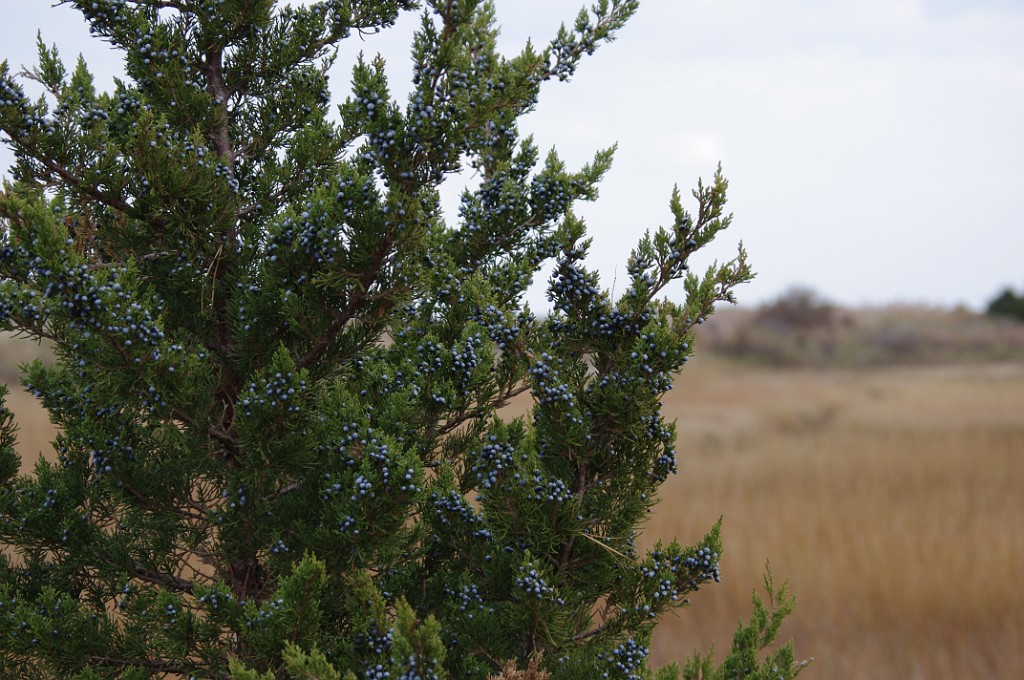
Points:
(875, 456)
(858, 420)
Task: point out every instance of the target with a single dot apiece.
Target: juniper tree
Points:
(281, 367)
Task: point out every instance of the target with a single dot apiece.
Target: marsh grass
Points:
(889, 498)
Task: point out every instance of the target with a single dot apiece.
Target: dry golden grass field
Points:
(890, 498)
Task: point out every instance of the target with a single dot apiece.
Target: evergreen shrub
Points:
(280, 369)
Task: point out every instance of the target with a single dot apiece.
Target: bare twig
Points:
(166, 580)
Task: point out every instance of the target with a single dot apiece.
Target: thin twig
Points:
(166, 580)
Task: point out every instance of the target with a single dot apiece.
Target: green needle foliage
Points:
(280, 369)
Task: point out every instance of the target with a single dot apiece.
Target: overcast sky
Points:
(874, 148)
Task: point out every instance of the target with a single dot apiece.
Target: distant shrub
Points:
(799, 327)
(1007, 304)
(798, 311)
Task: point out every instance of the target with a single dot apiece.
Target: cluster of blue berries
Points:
(239, 499)
(533, 584)
(705, 564)
(499, 328)
(382, 457)
(18, 115)
(353, 195)
(413, 671)
(149, 54)
(92, 115)
(449, 286)
(381, 142)
(657, 432)
(12, 95)
(111, 450)
(489, 462)
(216, 599)
(625, 661)
(337, 13)
(280, 390)
(50, 500)
(347, 523)
(616, 379)
(79, 292)
(572, 287)
(546, 387)
(361, 486)
(467, 599)
(225, 172)
(23, 304)
(549, 490)
(376, 672)
(170, 613)
(563, 59)
(128, 102)
(603, 323)
(5, 311)
(151, 399)
(398, 217)
(678, 254)
(260, 617)
(662, 570)
(331, 488)
(62, 404)
(495, 135)
(103, 15)
(136, 321)
(377, 461)
(465, 359)
(352, 434)
(16, 612)
(186, 263)
(126, 594)
(91, 303)
(431, 108)
(496, 206)
(551, 195)
(369, 104)
(372, 646)
(453, 507)
(310, 235)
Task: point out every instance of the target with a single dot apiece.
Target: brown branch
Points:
(163, 4)
(223, 436)
(166, 580)
(481, 410)
(21, 329)
(150, 503)
(197, 506)
(592, 632)
(157, 665)
(287, 489)
(579, 488)
(223, 261)
(212, 67)
(357, 297)
(94, 192)
(148, 257)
